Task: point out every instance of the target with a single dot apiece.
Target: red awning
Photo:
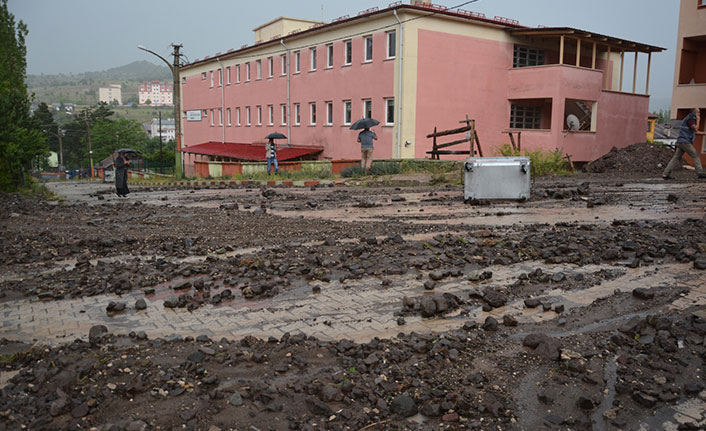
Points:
(250, 152)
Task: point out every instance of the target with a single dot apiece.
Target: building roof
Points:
(250, 152)
(553, 32)
(418, 6)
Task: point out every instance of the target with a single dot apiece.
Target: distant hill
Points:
(82, 88)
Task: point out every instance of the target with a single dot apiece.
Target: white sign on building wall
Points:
(193, 115)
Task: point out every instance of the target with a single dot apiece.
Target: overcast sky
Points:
(74, 36)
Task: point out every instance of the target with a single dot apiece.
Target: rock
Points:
(170, 303)
(543, 345)
(644, 400)
(532, 302)
(558, 277)
(404, 406)
(429, 285)
(490, 324)
(427, 307)
(401, 321)
(318, 407)
(672, 197)
(330, 393)
(187, 415)
(115, 307)
(509, 320)
(136, 426)
(207, 350)
(559, 308)
(80, 411)
(585, 403)
(436, 275)
(693, 388)
(450, 417)
(642, 293)
(140, 304)
(236, 399)
(495, 299)
(700, 263)
(58, 406)
(196, 357)
(96, 332)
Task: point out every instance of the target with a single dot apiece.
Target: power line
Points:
(348, 36)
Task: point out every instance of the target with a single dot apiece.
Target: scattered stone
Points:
(532, 302)
(509, 320)
(490, 324)
(643, 293)
(494, 298)
(404, 406)
(140, 304)
(115, 307)
(96, 333)
(672, 197)
(429, 285)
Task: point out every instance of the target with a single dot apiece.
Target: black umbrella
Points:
(129, 153)
(275, 135)
(364, 123)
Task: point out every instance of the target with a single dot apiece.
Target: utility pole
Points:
(87, 119)
(174, 67)
(161, 162)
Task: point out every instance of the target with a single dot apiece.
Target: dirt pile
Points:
(640, 158)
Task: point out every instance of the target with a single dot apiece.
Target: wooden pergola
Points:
(595, 41)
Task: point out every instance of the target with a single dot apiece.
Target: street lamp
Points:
(174, 67)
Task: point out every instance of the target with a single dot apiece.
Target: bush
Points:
(352, 172)
(385, 168)
(542, 162)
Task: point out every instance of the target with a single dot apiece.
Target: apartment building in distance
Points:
(414, 67)
(690, 69)
(156, 93)
(110, 93)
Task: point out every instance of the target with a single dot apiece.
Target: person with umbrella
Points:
(271, 151)
(121, 165)
(366, 138)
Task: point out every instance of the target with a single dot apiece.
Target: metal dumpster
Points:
(496, 178)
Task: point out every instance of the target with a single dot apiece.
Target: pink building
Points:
(158, 93)
(414, 70)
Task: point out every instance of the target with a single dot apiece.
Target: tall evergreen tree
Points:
(21, 142)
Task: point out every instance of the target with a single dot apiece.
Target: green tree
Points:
(21, 142)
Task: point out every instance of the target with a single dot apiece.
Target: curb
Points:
(232, 183)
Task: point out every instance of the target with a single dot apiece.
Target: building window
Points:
(247, 116)
(347, 51)
(212, 119)
(237, 116)
(270, 115)
(205, 113)
(211, 78)
(203, 76)
(297, 114)
(283, 59)
(391, 44)
(228, 75)
(220, 117)
(258, 67)
(368, 46)
(329, 113)
(329, 55)
(259, 115)
(312, 55)
(312, 113)
(524, 56)
(297, 61)
(525, 117)
(220, 77)
(183, 80)
(247, 72)
(283, 111)
(389, 112)
(237, 73)
(702, 3)
(228, 117)
(270, 67)
(367, 108)
(347, 112)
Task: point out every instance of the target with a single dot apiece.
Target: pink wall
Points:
(355, 82)
(475, 77)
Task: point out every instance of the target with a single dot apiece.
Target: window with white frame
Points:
(347, 51)
(297, 114)
(212, 118)
(228, 117)
(389, 111)
(220, 77)
(270, 66)
(220, 116)
(270, 115)
(391, 44)
(312, 113)
(329, 113)
(237, 73)
(237, 116)
(228, 75)
(283, 59)
(297, 61)
(258, 67)
(347, 112)
(247, 72)
(367, 108)
(211, 78)
(247, 116)
(368, 48)
(312, 56)
(329, 55)
(259, 115)
(283, 112)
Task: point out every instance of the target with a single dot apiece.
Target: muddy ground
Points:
(582, 309)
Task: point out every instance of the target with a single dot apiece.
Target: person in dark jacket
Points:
(271, 155)
(685, 144)
(121, 165)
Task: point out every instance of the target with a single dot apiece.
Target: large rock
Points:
(404, 406)
(96, 332)
(495, 299)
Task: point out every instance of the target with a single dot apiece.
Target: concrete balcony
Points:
(555, 81)
(689, 96)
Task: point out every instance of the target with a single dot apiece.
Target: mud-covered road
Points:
(351, 307)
